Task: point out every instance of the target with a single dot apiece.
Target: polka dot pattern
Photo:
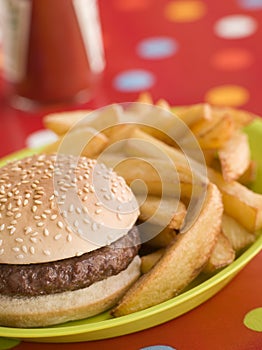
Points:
(253, 319)
(134, 80)
(232, 59)
(227, 27)
(158, 347)
(235, 27)
(185, 11)
(227, 95)
(157, 48)
(250, 4)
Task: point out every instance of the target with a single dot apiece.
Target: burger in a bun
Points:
(68, 240)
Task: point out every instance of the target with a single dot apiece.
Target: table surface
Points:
(185, 52)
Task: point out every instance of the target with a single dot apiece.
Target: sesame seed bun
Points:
(54, 207)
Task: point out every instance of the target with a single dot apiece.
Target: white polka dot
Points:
(250, 4)
(134, 80)
(235, 27)
(40, 138)
(157, 48)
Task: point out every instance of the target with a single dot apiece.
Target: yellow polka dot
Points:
(253, 319)
(227, 95)
(185, 11)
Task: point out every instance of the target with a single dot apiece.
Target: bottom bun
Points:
(57, 308)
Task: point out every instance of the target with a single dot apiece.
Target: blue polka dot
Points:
(134, 80)
(250, 4)
(157, 48)
(158, 347)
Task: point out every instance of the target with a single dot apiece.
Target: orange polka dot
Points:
(232, 59)
(185, 11)
(227, 95)
(131, 5)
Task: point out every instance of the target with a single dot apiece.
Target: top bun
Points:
(54, 207)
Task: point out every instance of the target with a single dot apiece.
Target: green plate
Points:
(103, 326)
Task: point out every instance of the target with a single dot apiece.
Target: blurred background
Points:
(184, 51)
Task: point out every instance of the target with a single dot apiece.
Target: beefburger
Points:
(68, 243)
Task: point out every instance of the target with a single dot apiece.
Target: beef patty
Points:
(72, 273)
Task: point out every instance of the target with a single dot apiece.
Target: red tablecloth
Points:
(186, 52)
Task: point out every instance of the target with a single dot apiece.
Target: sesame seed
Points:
(9, 213)
(1, 242)
(119, 216)
(24, 249)
(69, 238)
(12, 231)
(47, 252)
(20, 256)
(53, 217)
(43, 216)
(18, 215)
(98, 211)
(33, 239)
(85, 210)
(3, 200)
(51, 197)
(40, 224)
(32, 250)
(60, 224)
(16, 249)
(76, 223)
(114, 190)
(37, 217)
(63, 189)
(71, 208)
(78, 210)
(79, 253)
(25, 202)
(34, 208)
(64, 214)
(2, 251)
(19, 240)
(94, 226)
(2, 227)
(107, 197)
(58, 236)
(38, 202)
(28, 230)
(27, 195)
(86, 190)
(47, 211)
(86, 221)
(46, 232)
(34, 234)
(92, 189)
(68, 228)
